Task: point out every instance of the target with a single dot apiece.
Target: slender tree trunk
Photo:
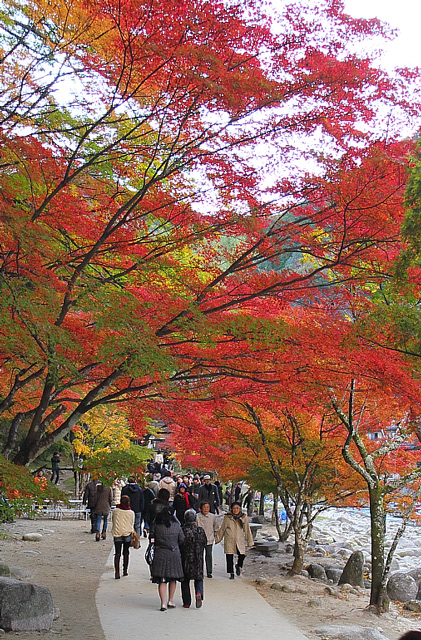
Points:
(262, 504)
(378, 596)
(276, 513)
(299, 550)
(250, 507)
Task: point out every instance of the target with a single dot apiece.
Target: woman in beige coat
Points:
(123, 525)
(235, 530)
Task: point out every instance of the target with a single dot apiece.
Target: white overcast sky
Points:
(404, 15)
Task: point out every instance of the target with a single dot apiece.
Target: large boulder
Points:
(353, 572)
(333, 573)
(402, 587)
(25, 606)
(355, 632)
(416, 574)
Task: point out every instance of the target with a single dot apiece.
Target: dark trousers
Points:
(230, 561)
(185, 590)
(55, 474)
(208, 558)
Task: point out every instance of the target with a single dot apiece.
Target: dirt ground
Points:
(69, 562)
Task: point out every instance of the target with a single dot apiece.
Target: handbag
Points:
(149, 554)
(135, 541)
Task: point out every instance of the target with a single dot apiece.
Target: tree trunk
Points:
(250, 507)
(276, 513)
(262, 504)
(299, 550)
(378, 596)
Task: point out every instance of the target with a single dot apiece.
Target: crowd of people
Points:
(179, 515)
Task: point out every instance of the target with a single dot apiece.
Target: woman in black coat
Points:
(183, 500)
(166, 567)
(192, 557)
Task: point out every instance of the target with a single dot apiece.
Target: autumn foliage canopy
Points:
(200, 202)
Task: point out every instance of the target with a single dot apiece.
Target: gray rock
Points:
(314, 603)
(343, 632)
(331, 591)
(416, 574)
(288, 589)
(25, 606)
(401, 587)
(317, 571)
(33, 537)
(14, 572)
(276, 586)
(261, 580)
(412, 605)
(343, 553)
(334, 574)
(353, 572)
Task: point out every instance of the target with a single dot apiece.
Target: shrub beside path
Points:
(231, 609)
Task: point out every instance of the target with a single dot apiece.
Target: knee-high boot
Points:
(117, 566)
(125, 563)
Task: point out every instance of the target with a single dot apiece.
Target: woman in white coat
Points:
(235, 530)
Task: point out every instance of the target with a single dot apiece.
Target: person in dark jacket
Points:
(102, 509)
(183, 500)
(161, 501)
(135, 494)
(89, 499)
(55, 467)
(166, 567)
(208, 492)
(220, 493)
(148, 496)
(192, 558)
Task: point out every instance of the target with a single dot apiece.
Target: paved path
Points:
(232, 609)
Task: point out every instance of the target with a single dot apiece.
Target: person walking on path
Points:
(55, 467)
(168, 483)
(89, 499)
(208, 492)
(234, 530)
(101, 510)
(183, 500)
(161, 502)
(166, 567)
(148, 496)
(192, 559)
(135, 494)
(122, 526)
(209, 524)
